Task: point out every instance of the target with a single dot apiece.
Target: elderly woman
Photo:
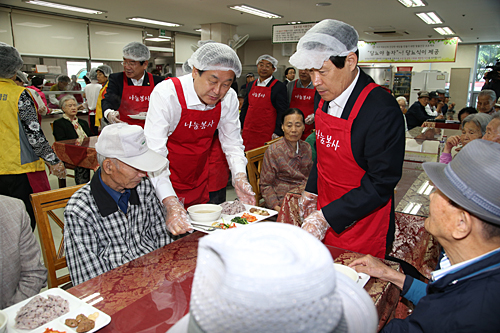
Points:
(403, 104)
(62, 85)
(473, 127)
(486, 101)
(71, 127)
(287, 162)
(103, 72)
(22, 170)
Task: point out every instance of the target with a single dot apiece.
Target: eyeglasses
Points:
(261, 64)
(130, 63)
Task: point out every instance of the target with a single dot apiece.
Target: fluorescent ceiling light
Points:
(430, 18)
(412, 3)
(158, 39)
(106, 33)
(445, 31)
(294, 22)
(145, 20)
(255, 11)
(64, 7)
(197, 30)
(33, 25)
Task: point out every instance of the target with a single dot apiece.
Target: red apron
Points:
(135, 99)
(338, 173)
(218, 173)
(303, 99)
(188, 150)
(260, 120)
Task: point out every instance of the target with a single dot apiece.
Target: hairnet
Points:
(326, 39)
(105, 69)
(10, 61)
(92, 75)
(216, 57)
(136, 51)
(268, 58)
(186, 68)
(22, 77)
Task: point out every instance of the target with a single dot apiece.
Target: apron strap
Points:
(361, 99)
(180, 92)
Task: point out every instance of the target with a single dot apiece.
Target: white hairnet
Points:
(326, 39)
(10, 61)
(186, 68)
(22, 77)
(216, 57)
(92, 75)
(105, 69)
(268, 58)
(136, 51)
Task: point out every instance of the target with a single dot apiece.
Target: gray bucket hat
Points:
(472, 179)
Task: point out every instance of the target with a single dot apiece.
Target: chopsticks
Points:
(204, 226)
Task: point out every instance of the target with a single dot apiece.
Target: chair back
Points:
(255, 158)
(44, 204)
(272, 141)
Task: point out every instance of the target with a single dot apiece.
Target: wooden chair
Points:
(43, 205)
(255, 158)
(62, 182)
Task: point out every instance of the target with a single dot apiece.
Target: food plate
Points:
(363, 279)
(134, 116)
(227, 218)
(76, 306)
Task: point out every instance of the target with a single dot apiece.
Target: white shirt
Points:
(92, 93)
(336, 107)
(265, 82)
(431, 110)
(164, 114)
(138, 82)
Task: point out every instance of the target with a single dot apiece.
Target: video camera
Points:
(494, 73)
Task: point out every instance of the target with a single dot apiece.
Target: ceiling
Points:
(474, 21)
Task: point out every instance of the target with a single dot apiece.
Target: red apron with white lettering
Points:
(188, 150)
(303, 99)
(338, 173)
(135, 99)
(218, 173)
(260, 120)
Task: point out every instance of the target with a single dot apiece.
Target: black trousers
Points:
(18, 186)
(217, 197)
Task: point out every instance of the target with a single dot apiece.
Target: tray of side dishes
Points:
(76, 307)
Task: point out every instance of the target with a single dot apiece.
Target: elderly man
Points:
(116, 217)
(183, 115)
(128, 91)
(61, 85)
(23, 275)
(301, 96)
(359, 143)
(464, 217)
(264, 105)
(417, 114)
(493, 129)
(22, 170)
(486, 101)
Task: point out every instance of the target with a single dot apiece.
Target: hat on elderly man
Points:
(10, 61)
(472, 179)
(328, 38)
(213, 56)
(127, 143)
(423, 93)
(136, 51)
(272, 277)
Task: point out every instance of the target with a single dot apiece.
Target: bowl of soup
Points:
(204, 212)
(3, 322)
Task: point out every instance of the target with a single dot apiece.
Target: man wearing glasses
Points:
(128, 92)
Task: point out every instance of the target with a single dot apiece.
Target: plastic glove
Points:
(243, 189)
(308, 203)
(58, 170)
(114, 117)
(316, 225)
(274, 136)
(177, 219)
(310, 119)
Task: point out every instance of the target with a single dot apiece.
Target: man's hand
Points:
(177, 219)
(58, 170)
(308, 203)
(243, 189)
(114, 117)
(375, 268)
(316, 224)
(310, 119)
(274, 136)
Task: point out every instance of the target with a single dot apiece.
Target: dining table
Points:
(152, 292)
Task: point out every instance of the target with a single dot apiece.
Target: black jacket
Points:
(63, 129)
(416, 115)
(378, 145)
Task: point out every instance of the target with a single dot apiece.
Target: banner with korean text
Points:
(432, 50)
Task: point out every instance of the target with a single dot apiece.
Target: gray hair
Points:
(481, 120)
(63, 78)
(64, 99)
(100, 159)
(402, 98)
(490, 93)
(10, 61)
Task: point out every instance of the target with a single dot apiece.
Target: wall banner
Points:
(290, 33)
(432, 50)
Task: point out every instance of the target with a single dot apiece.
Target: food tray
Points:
(76, 306)
(134, 116)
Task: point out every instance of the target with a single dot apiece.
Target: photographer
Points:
(492, 78)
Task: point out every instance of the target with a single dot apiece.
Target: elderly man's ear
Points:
(107, 166)
(351, 61)
(464, 225)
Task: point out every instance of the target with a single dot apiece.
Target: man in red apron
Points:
(128, 91)
(182, 118)
(301, 96)
(264, 105)
(348, 201)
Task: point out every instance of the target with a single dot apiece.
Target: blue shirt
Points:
(121, 199)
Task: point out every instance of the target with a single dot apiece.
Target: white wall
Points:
(183, 49)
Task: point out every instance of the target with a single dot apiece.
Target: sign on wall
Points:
(433, 50)
(290, 33)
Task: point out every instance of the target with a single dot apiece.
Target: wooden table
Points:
(151, 293)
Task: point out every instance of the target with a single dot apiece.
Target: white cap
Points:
(127, 143)
(212, 56)
(267, 57)
(326, 39)
(136, 51)
(273, 277)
